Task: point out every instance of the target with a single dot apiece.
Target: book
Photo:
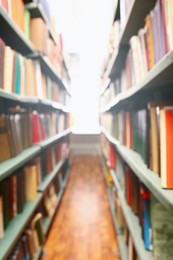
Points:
(13, 195)
(8, 69)
(20, 190)
(2, 53)
(27, 18)
(5, 152)
(37, 225)
(146, 222)
(162, 230)
(5, 193)
(1, 218)
(30, 172)
(39, 34)
(149, 37)
(30, 243)
(166, 144)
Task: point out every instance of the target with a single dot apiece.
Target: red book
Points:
(128, 130)
(4, 3)
(128, 176)
(36, 128)
(111, 156)
(166, 147)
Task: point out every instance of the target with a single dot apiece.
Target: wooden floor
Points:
(83, 227)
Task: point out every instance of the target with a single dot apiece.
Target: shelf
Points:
(36, 10)
(48, 220)
(105, 86)
(48, 68)
(13, 35)
(131, 27)
(47, 180)
(12, 164)
(149, 178)
(121, 243)
(55, 138)
(160, 75)
(66, 86)
(16, 227)
(133, 224)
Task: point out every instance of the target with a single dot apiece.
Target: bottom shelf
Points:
(16, 227)
(122, 245)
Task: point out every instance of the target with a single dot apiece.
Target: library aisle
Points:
(83, 227)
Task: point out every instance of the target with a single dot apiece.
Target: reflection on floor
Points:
(83, 227)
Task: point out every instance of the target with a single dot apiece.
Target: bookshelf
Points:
(46, 107)
(126, 93)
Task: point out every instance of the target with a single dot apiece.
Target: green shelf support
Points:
(9, 166)
(17, 226)
(47, 180)
(55, 138)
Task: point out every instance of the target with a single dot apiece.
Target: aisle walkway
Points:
(83, 228)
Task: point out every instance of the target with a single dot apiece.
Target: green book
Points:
(162, 231)
(17, 78)
(27, 23)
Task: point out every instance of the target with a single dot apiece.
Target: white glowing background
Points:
(85, 26)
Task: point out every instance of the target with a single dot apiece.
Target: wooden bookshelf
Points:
(17, 226)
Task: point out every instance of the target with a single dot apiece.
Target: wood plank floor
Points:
(83, 227)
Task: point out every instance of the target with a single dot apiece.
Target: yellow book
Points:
(30, 182)
(150, 42)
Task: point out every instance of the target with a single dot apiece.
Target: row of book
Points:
(36, 30)
(24, 76)
(149, 46)
(33, 236)
(21, 128)
(117, 28)
(154, 219)
(31, 241)
(22, 185)
(148, 132)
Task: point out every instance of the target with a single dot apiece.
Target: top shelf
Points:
(134, 21)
